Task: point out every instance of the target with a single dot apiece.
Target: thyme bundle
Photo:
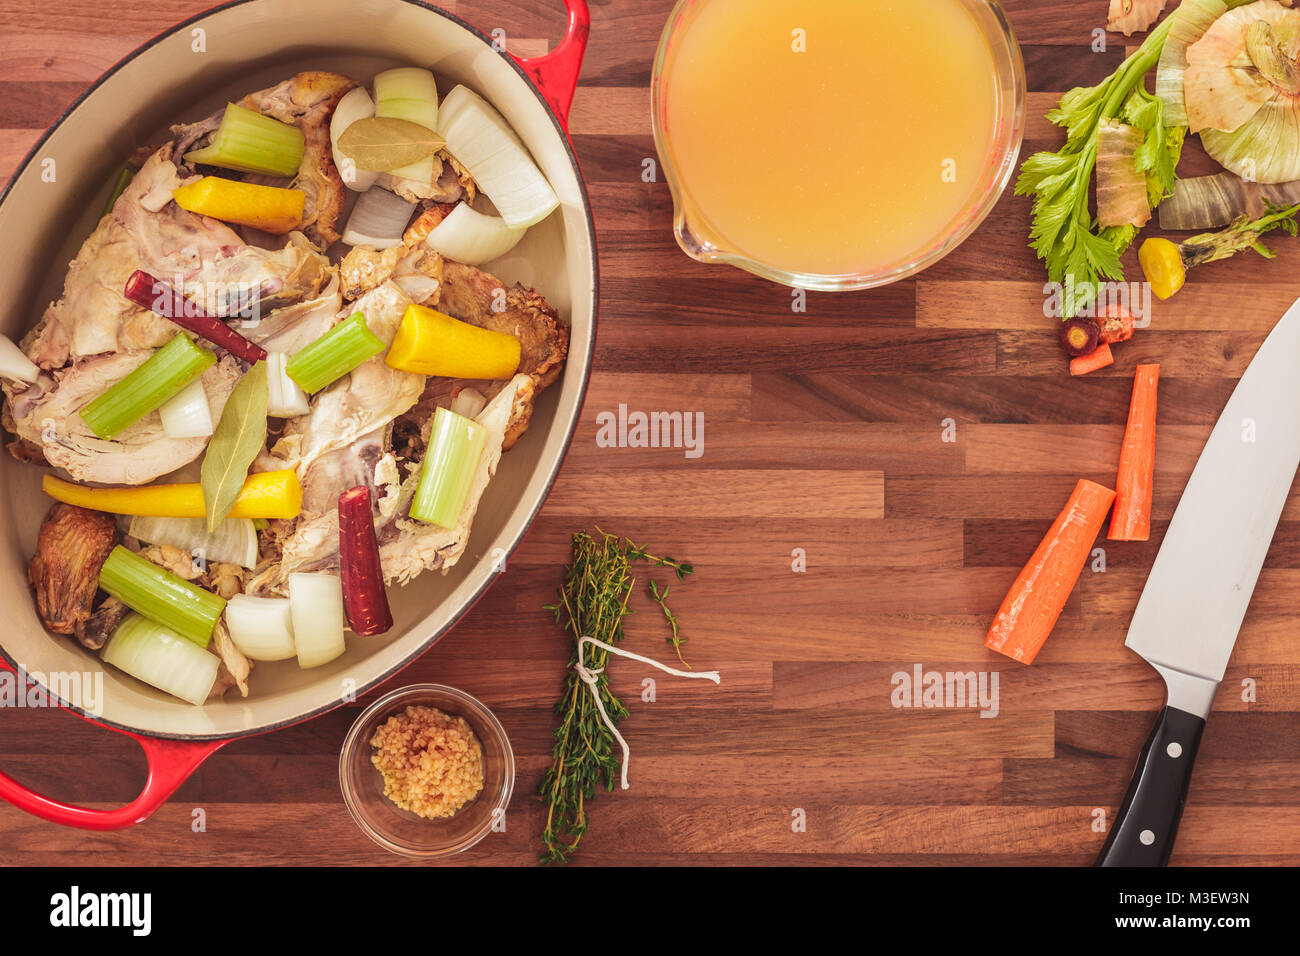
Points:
(593, 603)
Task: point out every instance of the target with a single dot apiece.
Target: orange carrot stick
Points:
(1036, 599)
(1131, 520)
(1099, 357)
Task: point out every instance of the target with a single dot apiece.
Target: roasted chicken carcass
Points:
(369, 397)
(92, 336)
(408, 547)
(369, 426)
(374, 428)
(202, 257)
(341, 439)
(45, 417)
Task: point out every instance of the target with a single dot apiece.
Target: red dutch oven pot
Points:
(184, 74)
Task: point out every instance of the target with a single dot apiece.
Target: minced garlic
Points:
(432, 763)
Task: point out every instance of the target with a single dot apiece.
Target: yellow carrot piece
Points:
(269, 208)
(267, 494)
(1162, 264)
(430, 343)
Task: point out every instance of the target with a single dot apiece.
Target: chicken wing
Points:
(70, 549)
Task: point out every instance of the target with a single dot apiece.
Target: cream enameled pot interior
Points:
(183, 77)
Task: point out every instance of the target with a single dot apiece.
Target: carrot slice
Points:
(1116, 324)
(1036, 599)
(1099, 357)
(1131, 520)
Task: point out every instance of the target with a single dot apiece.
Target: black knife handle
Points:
(1143, 831)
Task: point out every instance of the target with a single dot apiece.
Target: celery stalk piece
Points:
(161, 596)
(455, 445)
(252, 143)
(165, 374)
(334, 354)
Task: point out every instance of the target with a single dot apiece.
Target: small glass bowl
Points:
(400, 830)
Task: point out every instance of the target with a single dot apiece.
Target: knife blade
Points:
(1201, 582)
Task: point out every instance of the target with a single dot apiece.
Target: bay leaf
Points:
(236, 441)
(383, 143)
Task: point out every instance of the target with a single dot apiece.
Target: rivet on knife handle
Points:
(1143, 831)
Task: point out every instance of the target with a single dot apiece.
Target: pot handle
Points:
(556, 73)
(171, 762)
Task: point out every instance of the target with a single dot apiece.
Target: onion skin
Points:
(1121, 186)
(1211, 202)
(365, 602)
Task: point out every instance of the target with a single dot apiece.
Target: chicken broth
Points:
(828, 137)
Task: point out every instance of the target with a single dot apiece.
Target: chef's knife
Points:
(1187, 619)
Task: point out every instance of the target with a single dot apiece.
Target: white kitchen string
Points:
(589, 677)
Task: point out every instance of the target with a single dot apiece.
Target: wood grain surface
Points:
(823, 432)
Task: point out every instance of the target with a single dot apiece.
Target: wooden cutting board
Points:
(824, 445)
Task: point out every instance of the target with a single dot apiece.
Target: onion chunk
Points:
(14, 364)
(355, 105)
(162, 658)
(233, 542)
(316, 607)
(473, 238)
(187, 414)
(262, 628)
(483, 142)
(378, 220)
